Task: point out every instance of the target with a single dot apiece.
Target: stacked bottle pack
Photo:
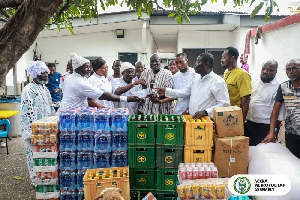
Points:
(198, 139)
(155, 151)
(212, 188)
(90, 138)
(44, 139)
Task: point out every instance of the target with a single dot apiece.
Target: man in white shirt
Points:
(261, 104)
(126, 86)
(116, 67)
(206, 91)
(78, 89)
(182, 79)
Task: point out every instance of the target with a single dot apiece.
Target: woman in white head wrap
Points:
(36, 103)
(77, 88)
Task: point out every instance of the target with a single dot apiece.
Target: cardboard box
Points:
(228, 121)
(231, 155)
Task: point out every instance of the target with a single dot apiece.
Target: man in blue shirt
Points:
(53, 85)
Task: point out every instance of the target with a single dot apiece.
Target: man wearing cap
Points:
(35, 104)
(126, 86)
(77, 87)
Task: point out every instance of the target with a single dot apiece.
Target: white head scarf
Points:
(126, 65)
(78, 61)
(36, 68)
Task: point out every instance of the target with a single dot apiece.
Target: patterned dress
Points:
(36, 103)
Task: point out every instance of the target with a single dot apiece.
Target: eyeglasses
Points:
(293, 69)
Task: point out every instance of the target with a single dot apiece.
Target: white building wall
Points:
(281, 45)
(204, 39)
(104, 44)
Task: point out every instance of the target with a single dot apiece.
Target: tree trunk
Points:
(20, 32)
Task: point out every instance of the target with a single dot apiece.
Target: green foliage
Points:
(180, 10)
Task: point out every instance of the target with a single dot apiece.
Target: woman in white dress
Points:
(99, 80)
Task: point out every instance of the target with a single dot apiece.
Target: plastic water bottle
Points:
(84, 160)
(85, 141)
(119, 132)
(67, 160)
(103, 139)
(102, 160)
(67, 180)
(80, 194)
(80, 175)
(67, 120)
(119, 159)
(85, 120)
(67, 141)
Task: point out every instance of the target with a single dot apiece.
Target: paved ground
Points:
(14, 165)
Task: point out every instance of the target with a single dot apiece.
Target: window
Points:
(192, 55)
(128, 57)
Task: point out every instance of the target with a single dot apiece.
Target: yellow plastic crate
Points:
(198, 133)
(114, 177)
(197, 154)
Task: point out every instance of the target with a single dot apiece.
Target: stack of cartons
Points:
(231, 147)
(44, 139)
(169, 153)
(141, 154)
(155, 151)
(198, 140)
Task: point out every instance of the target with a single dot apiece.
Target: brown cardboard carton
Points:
(228, 121)
(231, 155)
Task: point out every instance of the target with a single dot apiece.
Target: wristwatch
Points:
(205, 112)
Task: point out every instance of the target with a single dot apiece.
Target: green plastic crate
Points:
(140, 194)
(170, 132)
(141, 132)
(141, 156)
(168, 156)
(166, 179)
(166, 195)
(142, 178)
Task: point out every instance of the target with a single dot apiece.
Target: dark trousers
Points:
(292, 142)
(256, 132)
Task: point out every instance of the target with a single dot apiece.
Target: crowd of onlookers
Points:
(181, 89)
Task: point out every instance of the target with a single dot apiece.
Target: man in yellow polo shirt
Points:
(238, 80)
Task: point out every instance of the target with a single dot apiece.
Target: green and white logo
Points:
(242, 185)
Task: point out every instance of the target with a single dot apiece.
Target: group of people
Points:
(179, 90)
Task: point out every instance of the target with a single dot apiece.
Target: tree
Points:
(25, 19)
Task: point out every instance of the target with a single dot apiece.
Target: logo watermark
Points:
(259, 185)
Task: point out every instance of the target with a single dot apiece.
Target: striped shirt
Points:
(164, 79)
